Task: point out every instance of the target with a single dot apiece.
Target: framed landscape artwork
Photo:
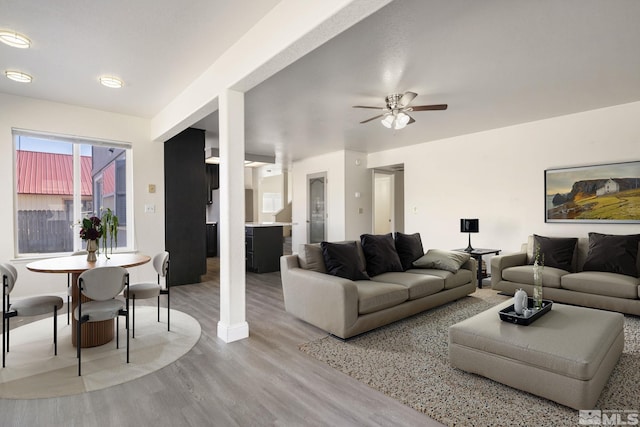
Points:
(607, 193)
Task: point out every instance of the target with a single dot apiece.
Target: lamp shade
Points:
(469, 225)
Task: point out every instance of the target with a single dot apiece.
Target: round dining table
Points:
(93, 333)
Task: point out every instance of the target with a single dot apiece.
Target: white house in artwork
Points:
(609, 187)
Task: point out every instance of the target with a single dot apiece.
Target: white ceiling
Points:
(495, 62)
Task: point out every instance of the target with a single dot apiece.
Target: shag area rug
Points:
(408, 361)
(33, 371)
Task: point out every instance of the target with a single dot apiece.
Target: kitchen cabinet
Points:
(263, 244)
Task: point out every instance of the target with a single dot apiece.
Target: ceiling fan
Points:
(395, 114)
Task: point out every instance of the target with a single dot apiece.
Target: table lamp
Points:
(469, 225)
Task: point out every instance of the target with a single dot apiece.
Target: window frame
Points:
(76, 142)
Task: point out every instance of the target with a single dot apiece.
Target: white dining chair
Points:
(82, 252)
(146, 290)
(32, 306)
(102, 285)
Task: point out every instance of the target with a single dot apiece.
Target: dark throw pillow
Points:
(380, 253)
(409, 248)
(342, 259)
(612, 254)
(558, 252)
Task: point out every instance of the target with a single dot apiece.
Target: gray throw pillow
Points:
(442, 260)
(311, 258)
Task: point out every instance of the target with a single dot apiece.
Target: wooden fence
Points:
(44, 231)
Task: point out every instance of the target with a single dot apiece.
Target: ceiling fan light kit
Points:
(395, 114)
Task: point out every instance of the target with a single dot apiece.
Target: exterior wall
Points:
(498, 177)
(148, 168)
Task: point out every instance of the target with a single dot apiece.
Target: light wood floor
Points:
(262, 380)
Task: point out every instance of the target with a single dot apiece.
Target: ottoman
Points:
(566, 355)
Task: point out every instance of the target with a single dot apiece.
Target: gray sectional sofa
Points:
(603, 276)
(345, 307)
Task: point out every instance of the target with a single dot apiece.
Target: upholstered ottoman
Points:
(566, 355)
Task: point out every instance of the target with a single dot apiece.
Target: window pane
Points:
(45, 192)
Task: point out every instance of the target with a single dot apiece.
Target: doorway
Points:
(317, 208)
(388, 199)
(383, 220)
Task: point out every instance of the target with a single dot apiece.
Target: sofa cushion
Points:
(442, 260)
(419, 285)
(551, 277)
(310, 257)
(409, 248)
(613, 254)
(602, 283)
(557, 252)
(342, 259)
(451, 280)
(376, 296)
(380, 253)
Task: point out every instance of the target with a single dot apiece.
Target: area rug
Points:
(32, 370)
(408, 361)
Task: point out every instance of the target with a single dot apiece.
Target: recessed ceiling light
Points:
(18, 76)
(14, 39)
(112, 82)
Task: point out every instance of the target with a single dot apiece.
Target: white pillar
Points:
(232, 325)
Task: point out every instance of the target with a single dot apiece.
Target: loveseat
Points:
(348, 306)
(601, 271)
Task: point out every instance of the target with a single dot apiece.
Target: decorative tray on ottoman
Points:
(508, 314)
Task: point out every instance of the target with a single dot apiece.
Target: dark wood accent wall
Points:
(185, 203)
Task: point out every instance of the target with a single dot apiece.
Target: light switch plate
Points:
(149, 208)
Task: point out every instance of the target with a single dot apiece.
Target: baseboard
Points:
(233, 333)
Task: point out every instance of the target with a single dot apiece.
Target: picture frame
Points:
(602, 193)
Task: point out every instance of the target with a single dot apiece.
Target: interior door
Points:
(383, 202)
(317, 208)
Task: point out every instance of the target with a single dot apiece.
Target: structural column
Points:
(232, 325)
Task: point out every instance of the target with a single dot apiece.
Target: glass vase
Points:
(537, 286)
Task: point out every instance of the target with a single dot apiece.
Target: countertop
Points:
(266, 224)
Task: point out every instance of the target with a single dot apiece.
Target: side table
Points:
(477, 255)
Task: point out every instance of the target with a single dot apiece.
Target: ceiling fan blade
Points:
(372, 118)
(407, 98)
(365, 106)
(411, 120)
(429, 107)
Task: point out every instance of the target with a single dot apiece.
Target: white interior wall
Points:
(498, 177)
(358, 196)
(148, 166)
(398, 192)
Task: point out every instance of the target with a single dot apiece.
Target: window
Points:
(59, 181)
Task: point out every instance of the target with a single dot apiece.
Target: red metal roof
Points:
(49, 173)
(109, 179)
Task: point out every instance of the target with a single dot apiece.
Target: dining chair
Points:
(82, 252)
(101, 285)
(149, 289)
(32, 306)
